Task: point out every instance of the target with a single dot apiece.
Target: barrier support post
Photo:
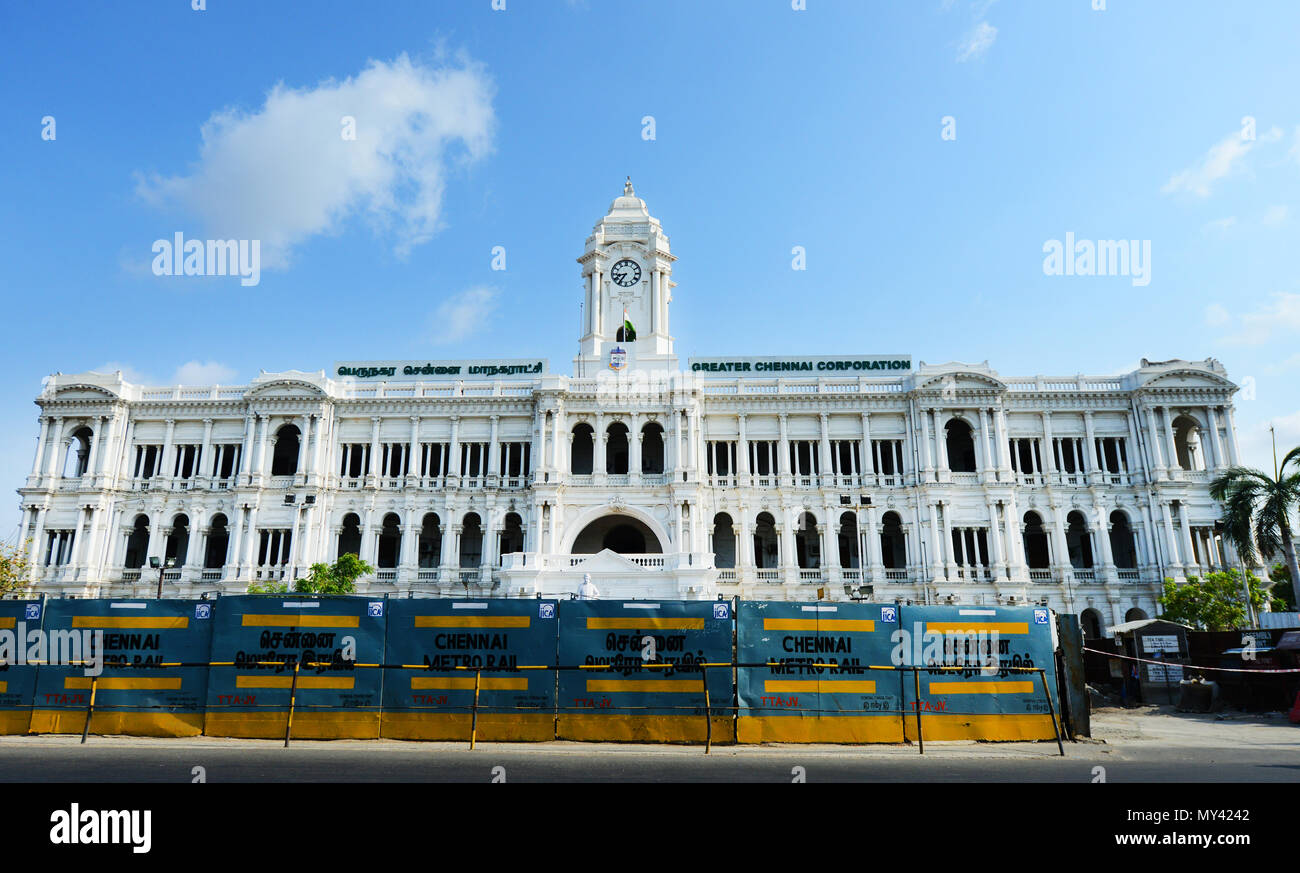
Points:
(916, 683)
(708, 715)
(293, 697)
(1051, 707)
(90, 709)
(473, 719)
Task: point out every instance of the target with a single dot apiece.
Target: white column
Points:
(1215, 448)
(492, 455)
(56, 448)
(168, 464)
(40, 446)
(1049, 446)
(824, 448)
(783, 453)
(925, 445)
(742, 450)
(1157, 452)
(1168, 434)
(1001, 437)
(304, 435)
(988, 449)
(313, 472)
(1090, 450)
(865, 452)
(1231, 435)
(996, 559)
(940, 442)
(1171, 541)
(204, 460)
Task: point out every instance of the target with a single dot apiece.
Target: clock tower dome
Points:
(627, 286)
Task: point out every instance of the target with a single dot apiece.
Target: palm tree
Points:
(1257, 511)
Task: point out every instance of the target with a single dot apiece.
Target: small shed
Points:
(1152, 639)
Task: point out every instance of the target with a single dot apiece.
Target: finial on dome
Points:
(627, 188)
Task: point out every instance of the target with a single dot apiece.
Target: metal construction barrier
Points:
(293, 663)
(960, 700)
(457, 668)
(17, 673)
(639, 675)
(821, 673)
(154, 676)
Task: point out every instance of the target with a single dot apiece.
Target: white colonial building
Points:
(766, 477)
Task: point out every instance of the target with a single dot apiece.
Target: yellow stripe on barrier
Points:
(646, 623)
(466, 683)
(301, 621)
(472, 621)
(4, 686)
(320, 683)
(863, 625)
(981, 687)
(146, 622)
(8, 622)
(826, 686)
(693, 686)
(125, 683)
(973, 627)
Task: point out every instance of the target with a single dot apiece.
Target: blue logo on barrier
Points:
(1040, 616)
(375, 609)
(889, 614)
(202, 610)
(32, 612)
(546, 610)
(721, 610)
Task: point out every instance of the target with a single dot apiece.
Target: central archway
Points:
(624, 534)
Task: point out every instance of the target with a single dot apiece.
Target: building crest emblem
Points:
(617, 358)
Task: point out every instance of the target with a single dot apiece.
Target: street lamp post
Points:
(162, 567)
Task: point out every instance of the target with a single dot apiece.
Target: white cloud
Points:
(1218, 162)
(1258, 327)
(977, 42)
(129, 373)
(1274, 216)
(284, 173)
(1219, 225)
(1216, 315)
(196, 373)
(465, 314)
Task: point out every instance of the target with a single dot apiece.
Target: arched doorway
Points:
(767, 551)
(471, 542)
(512, 535)
(724, 542)
(285, 460)
(137, 546)
(1037, 556)
(581, 450)
(430, 541)
(350, 535)
(616, 449)
(1136, 614)
(848, 541)
(214, 557)
(1123, 544)
(1090, 621)
(893, 550)
(178, 540)
(961, 446)
(807, 542)
(652, 448)
(1078, 541)
(390, 543)
(624, 534)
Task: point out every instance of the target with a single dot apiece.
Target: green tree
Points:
(1257, 511)
(14, 567)
(1213, 603)
(268, 588)
(337, 578)
(1283, 591)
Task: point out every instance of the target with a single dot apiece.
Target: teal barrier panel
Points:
(799, 701)
(264, 636)
(17, 676)
(502, 638)
(636, 701)
(136, 692)
(975, 702)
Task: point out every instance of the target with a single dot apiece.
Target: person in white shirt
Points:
(587, 591)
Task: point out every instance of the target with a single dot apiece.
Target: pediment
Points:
(960, 381)
(83, 391)
(607, 561)
(1188, 378)
(285, 388)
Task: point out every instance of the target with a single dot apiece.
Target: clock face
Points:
(625, 273)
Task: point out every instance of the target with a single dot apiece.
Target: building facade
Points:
(782, 478)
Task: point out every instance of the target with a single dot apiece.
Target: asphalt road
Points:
(1130, 747)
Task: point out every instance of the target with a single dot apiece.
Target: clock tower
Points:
(626, 268)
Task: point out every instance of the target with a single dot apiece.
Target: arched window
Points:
(1078, 541)
(471, 542)
(652, 448)
(390, 542)
(1187, 443)
(137, 547)
(1037, 555)
(583, 451)
(767, 552)
(350, 535)
(214, 557)
(848, 541)
(724, 542)
(616, 454)
(178, 540)
(1136, 614)
(1090, 621)
(1123, 544)
(285, 460)
(807, 543)
(430, 541)
(961, 447)
(512, 535)
(893, 546)
(77, 460)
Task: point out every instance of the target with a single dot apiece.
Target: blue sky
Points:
(774, 128)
